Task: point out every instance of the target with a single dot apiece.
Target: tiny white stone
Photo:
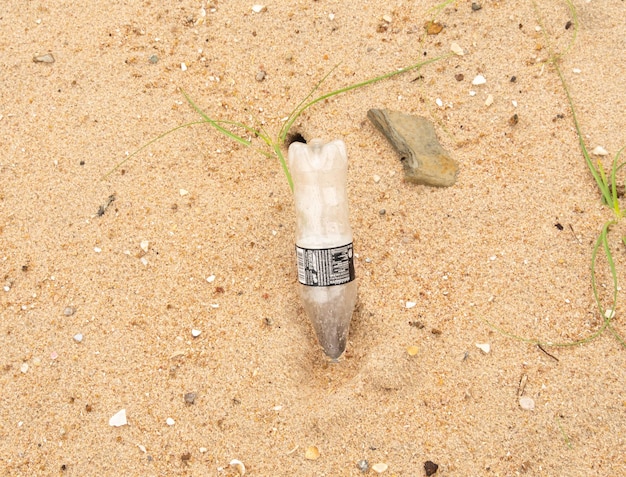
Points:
(144, 260)
(600, 151)
(439, 102)
(527, 403)
(492, 258)
(388, 18)
(195, 333)
(537, 28)
(514, 103)
(144, 245)
(484, 347)
(24, 368)
(78, 337)
(489, 100)
(118, 419)
(203, 450)
(376, 178)
(331, 16)
(472, 93)
(576, 70)
(410, 304)
(183, 192)
(183, 66)
(478, 80)
(215, 305)
(609, 314)
(142, 448)
(7, 288)
(380, 467)
(456, 49)
(97, 249)
(258, 8)
(277, 408)
(210, 278)
(170, 422)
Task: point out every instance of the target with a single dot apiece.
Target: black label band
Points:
(325, 267)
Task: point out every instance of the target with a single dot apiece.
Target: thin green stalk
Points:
(289, 123)
(120, 164)
(565, 436)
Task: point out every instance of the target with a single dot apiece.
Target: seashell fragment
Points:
(118, 419)
(47, 58)
(527, 403)
(599, 151)
(456, 49)
(312, 453)
(478, 80)
(484, 347)
(237, 464)
(380, 467)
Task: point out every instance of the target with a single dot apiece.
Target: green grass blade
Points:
(303, 108)
(120, 164)
(284, 131)
(214, 123)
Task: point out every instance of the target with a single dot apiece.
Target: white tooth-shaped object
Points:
(324, 240)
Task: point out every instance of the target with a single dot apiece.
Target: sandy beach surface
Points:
(105, 279)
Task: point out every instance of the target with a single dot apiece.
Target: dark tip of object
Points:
(430, 468)
(295, 137)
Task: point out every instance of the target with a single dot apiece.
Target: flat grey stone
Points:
(425, 161)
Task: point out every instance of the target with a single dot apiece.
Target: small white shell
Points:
(118, 419)
(380, 467)
(456, 49)
(527, 403)
(237, 464)
(484, 347)
(600, 151)
(480, 79)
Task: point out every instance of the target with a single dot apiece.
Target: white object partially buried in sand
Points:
(324, 240)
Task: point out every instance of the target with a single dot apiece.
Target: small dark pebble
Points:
(513, 79)
(154, 59)
(416, 324)
(568, 25)
(430, 468)
(82, 163)
(69, 311)
(558, 226)
(363, 465)
(459, 77)
(382, 211)
(190, 398)
(476, 6)
(513, 120)
(186, 457)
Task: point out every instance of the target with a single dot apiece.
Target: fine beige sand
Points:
(488, 249)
